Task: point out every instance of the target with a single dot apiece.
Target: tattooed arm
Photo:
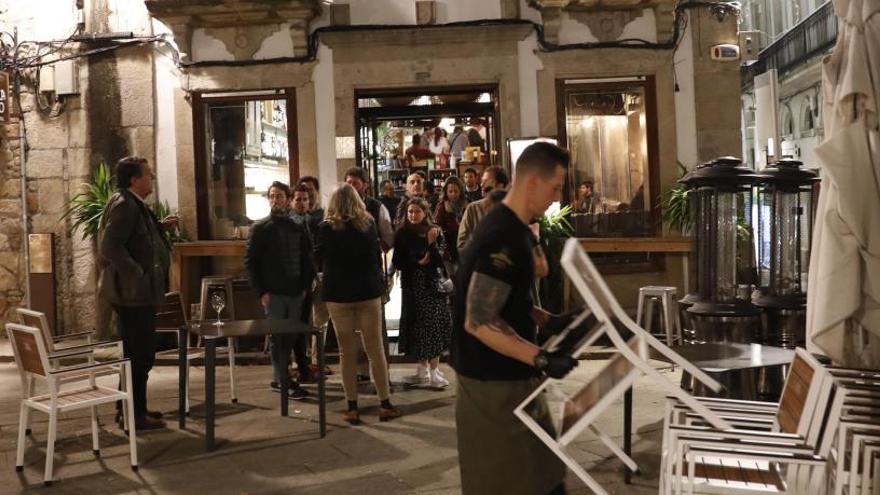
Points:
(485, 298)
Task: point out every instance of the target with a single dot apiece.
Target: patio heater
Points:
(723, 312)
(785, 220)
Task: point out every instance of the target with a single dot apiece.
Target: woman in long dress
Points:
(425, 320)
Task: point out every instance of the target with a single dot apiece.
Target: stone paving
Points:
(261, 452)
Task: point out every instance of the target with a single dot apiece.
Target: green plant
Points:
(162, 210)
(676, 205)
(555, 229)
(87, 207)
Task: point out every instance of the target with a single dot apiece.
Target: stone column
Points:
(716, 86)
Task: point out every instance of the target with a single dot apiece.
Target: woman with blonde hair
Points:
(347, 250)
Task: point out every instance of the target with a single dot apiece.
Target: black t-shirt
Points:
(501, 247)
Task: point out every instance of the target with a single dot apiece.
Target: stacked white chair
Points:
(631, 361)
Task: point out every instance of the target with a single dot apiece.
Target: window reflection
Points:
(607, 136)
(247, 150)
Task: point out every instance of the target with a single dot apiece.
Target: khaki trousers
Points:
(365, 316)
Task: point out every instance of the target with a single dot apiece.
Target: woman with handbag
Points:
(425, 319)
(347, 252)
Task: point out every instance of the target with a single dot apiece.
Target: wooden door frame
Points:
(200, 102)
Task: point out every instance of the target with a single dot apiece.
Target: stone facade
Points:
(117, 111)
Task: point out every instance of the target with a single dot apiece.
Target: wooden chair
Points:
(55, 344)
(58, 353)
(170, 317)
(750, 458)
(32, 360)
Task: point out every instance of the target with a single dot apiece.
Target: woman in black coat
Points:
(347, 251)
(425, 319)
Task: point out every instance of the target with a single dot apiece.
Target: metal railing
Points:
(813, 36)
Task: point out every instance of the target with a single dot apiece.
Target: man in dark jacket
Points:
(279, 262)
(134, 255)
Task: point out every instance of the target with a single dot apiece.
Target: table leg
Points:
(210, 379)
(182, 384)
(322, 402)
(627, 431)
(285, 387)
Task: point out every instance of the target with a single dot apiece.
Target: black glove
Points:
(555, 364)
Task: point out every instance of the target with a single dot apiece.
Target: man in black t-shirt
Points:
(494, 348)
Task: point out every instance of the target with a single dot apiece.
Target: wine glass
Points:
(218, 302)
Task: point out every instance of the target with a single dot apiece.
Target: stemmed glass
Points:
(218, 302)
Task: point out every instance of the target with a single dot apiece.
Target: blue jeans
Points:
(286, 308)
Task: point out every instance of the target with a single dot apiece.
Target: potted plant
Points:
(555, 229)
(87, 207)
(676, 206)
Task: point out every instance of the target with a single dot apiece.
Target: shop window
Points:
(809, 123)
(610, 129)
(787, 123)
(244, 143)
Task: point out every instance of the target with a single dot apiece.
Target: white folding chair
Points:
(617, 376)
(748, 459)
(578, 412)
(33, 363)
(591, 286)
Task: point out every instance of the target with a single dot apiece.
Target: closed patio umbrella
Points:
(843, 302)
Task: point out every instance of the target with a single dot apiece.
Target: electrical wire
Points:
(719, 7)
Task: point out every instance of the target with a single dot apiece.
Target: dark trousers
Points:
(137, 330)
(282, 308)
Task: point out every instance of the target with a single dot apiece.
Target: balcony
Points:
(814, 36)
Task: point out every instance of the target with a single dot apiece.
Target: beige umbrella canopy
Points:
(843, 302)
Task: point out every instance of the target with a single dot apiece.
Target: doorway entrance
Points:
(387, 120)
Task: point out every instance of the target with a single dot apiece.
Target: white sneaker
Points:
(438, 380)
(421, 376)
(439, 372)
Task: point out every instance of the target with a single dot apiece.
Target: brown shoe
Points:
(389, 414)
(351, 417)
(148, 423)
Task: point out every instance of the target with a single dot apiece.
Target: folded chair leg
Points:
(692, 464)
(132, 432)
(231, 346)
(609, 442)
(30, 393)
(23, 417)
(186, 410)
(96, 449)
(50, 446)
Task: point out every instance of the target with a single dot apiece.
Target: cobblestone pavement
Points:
(262, 453)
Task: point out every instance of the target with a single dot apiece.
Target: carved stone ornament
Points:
(241, 25)
(605, 18)
(606, 26)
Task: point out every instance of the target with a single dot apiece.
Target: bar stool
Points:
(209, 286)
(669, 317)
